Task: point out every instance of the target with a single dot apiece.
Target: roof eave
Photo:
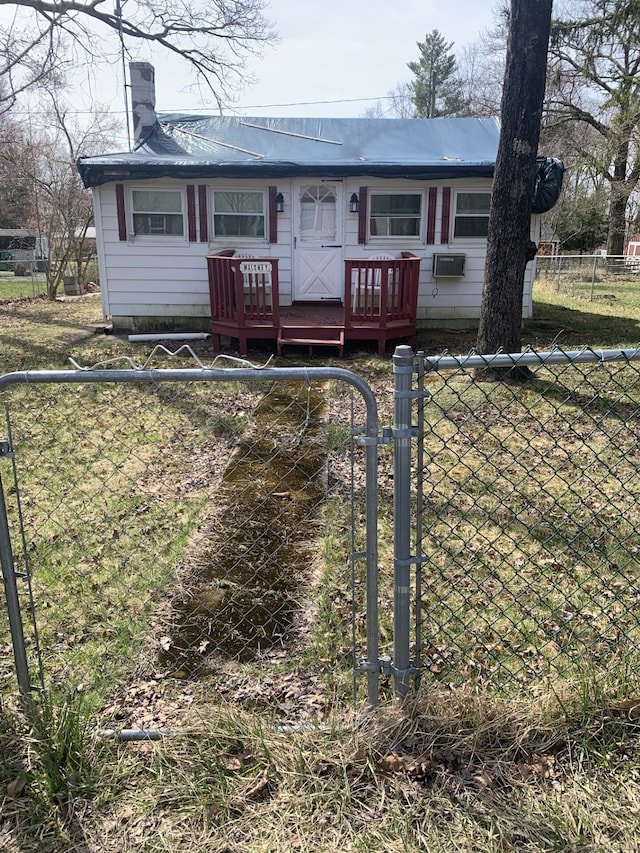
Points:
(98, 171)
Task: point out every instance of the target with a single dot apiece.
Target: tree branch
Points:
(212, 36)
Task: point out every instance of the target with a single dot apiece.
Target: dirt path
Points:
(250, 564)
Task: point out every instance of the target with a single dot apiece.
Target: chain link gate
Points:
(514, 514)
(184, 531)
(517, 533)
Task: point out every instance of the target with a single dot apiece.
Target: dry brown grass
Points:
(450, 770)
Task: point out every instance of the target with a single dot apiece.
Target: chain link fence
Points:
(527, 520)
(171, 525)
(592, 277)
(248, 529)
(19, 280)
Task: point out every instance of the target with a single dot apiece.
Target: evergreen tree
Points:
(581, 225)
(437, 89)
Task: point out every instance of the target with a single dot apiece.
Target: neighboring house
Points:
(307, 193)
(23, 250)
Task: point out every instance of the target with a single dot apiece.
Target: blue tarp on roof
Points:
(192, 147)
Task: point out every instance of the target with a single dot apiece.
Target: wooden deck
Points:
(380, 304)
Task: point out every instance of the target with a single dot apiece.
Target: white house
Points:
(307, 193)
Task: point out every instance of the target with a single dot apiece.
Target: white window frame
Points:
(159, 236)
(395, 237)
(457, 215)
(231, 238)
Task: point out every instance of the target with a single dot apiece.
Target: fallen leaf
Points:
(238, 760)
(483, 780)
(125, 812)
(260, 785)
(16, 787)
(394, 763)
(542, 766)
(627, 706)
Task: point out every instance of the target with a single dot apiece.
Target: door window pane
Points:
(318, 219)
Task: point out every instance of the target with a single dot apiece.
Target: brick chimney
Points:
(143, 99)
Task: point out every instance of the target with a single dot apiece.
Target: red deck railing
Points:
(244, 297)
(380, 299)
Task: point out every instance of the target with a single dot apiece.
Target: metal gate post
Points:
(373, 628)
(402, 434)
(13, 603)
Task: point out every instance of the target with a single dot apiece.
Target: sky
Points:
(334, 58)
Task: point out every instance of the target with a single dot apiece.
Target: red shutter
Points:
(202, 211)
(191, 212)
(273, 216)
(122, 216)
(362, 215)
(446, 213)
(431, 215)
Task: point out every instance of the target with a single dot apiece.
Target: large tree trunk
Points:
(618, 200)
(509, 246)
(617, 221)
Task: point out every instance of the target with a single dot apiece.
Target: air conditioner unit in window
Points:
(448, 266)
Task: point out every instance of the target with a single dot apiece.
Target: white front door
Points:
(317, 240)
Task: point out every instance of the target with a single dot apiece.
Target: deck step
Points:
(311, 338)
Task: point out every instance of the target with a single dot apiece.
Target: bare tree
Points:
(481, 71)
(213, 37)
(398, 103)
(595, 58)
(16, 190)
(60, 207)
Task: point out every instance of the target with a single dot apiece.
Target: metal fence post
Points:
(13, 603)
(402, 434)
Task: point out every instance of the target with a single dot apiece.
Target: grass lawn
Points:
(449, 770)
(604, 315)
(19, 287)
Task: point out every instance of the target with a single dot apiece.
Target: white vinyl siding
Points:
(166, 277)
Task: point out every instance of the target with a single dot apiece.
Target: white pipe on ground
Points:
(170, 336)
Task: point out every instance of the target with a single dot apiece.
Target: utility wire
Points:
(231, 108)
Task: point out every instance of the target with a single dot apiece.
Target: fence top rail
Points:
(529, 358)
(596, 255)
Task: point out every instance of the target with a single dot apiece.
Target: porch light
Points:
(354, 203)
(279, 203)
